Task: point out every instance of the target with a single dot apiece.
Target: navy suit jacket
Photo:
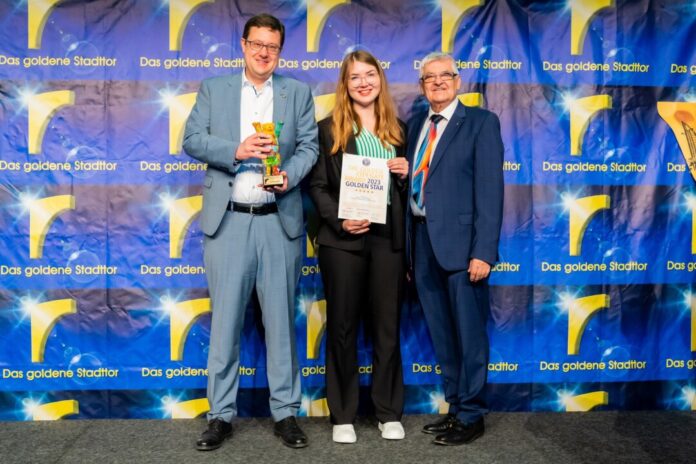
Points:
(464, 190)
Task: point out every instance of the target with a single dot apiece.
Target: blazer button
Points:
(230, 184)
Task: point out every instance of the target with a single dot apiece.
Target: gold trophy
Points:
(271, 176)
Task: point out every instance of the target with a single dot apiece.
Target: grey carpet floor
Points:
(594, 438)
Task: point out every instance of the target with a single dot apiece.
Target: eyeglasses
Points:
(444, 77)
(256, 46)
(369, 79)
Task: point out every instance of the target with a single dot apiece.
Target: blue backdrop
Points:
(104, 309)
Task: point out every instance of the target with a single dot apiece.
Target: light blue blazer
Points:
(212, 136)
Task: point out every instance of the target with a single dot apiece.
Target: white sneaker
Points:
(392, 430)
(344, 433)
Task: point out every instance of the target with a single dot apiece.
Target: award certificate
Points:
(364, 189)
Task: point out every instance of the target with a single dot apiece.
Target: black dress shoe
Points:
(440, 426)
(218, 430)
(460, 434)
(290, 433)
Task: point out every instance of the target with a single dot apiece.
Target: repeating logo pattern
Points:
(104, 288)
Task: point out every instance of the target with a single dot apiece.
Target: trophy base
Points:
(273, 181)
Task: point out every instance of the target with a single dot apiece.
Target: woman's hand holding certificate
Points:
(355, 226)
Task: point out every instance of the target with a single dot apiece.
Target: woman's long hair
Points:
(387, 127)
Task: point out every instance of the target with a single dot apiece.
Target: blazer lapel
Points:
(337, 159)
(235, 96)
(413, 135)
(450, 131)
(412, 146)
(280, 98)
(351, 147)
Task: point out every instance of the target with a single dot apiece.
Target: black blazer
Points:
(324, 188)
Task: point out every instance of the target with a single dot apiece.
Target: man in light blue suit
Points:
(253, 235)
(455, 214)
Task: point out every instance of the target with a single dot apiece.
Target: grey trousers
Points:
(250, 252)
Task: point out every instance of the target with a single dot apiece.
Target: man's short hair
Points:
(265, 20)
(436, 56)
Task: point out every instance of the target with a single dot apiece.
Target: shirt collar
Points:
(247, 83)
(447, 112)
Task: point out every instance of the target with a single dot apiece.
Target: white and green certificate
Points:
(364, 189)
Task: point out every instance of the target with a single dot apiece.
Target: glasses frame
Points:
(369, 80)
(255, 45)
(444, 77)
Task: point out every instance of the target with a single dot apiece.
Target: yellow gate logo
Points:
(182, 315)
(681, 117)
(43, 317)
(42, 213)
(318, 12)
(314, 408)
(585, 402)
(691, 303)
(471, 99)
(40, 110)
(38, 12)
(581, 211)
(581, 111)
(316, 325)
(452, 13)
(179, 108)
(180, 12)
(689, 396)
(51, 411)
(581, 13)
(186, 409)
(181, 212)
(324, 105)
(438, 403)
(580, 311)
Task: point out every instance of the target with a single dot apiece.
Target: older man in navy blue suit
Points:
(456, 202)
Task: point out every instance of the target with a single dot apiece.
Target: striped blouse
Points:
(368, 144)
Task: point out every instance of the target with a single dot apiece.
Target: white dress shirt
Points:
(255, 106)
(441, 126)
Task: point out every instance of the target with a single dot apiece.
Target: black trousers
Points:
(368, 282)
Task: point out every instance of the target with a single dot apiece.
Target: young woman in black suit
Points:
(362, 264)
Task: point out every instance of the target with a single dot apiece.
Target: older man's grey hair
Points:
(437, 56)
